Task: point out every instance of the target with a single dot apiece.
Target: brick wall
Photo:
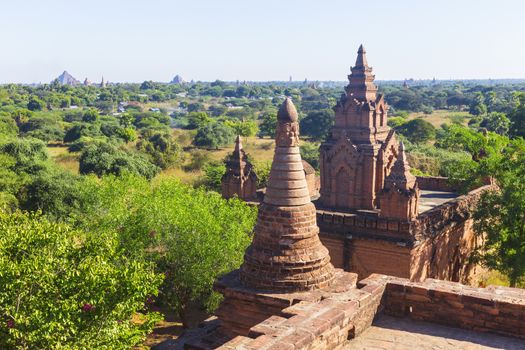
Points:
(493, 309)
(434, 183)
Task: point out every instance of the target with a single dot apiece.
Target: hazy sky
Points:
(259, 40)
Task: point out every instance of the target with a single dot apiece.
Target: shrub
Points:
(214, 135)
(417, 130)
(102, 159)
(63, 288)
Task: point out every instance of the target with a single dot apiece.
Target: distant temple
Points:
(66, 79)
(240, 179)
(177, 80)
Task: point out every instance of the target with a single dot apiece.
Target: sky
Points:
(133, 41)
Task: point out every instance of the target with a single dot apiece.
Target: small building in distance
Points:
(239, 179)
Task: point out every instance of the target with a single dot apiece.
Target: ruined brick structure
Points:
(239, 179)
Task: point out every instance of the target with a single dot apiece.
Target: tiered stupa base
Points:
(286, 253)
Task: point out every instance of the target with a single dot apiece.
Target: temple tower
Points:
(239, 179)
(360, 150)
(286, 254)
(400, 195)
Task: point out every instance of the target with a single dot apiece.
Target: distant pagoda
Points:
(177, 80)
(66, 79)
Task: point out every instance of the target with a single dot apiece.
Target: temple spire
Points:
(239, 178)
(238, 146)
(287, 183)
(361, 80)
(361, 57)
(400, 175)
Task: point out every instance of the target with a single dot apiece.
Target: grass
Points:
(64, 158)
(441, 116)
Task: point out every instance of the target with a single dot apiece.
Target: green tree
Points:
(64, 288)
(162, 149)
(157, 221)
(104, 158)
(478, 106)
(243, 128)
(496, 122)
(317, 123)
(517, 115)
(90, 115)
(35, 104)
(417, 130)
(500, 215)
(268, 125)
(310, 153)
(214, 135)
(197, 119)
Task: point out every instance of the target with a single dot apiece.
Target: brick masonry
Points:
(329, 319)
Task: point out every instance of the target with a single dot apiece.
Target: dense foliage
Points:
(64, 288)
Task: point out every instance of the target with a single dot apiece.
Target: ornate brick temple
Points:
(240, 179)
(374, 215)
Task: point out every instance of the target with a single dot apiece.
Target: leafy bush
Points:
(63, 288)
(310, 153)
(213, 175)
(104, 158)
(417, 130)
(193, 236)
(214, 135)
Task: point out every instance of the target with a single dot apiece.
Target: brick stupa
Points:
(286, 253)
(286, 262)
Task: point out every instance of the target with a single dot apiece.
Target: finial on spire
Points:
(361, 60)
(287, 111)
(238, 143)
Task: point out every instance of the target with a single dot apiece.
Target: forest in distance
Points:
(100, 189)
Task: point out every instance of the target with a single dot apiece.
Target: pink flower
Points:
(10, 323)
(87, 307)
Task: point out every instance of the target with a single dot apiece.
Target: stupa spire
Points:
(286, 253)
(287, 183)
(400, 175)
(361, 60)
